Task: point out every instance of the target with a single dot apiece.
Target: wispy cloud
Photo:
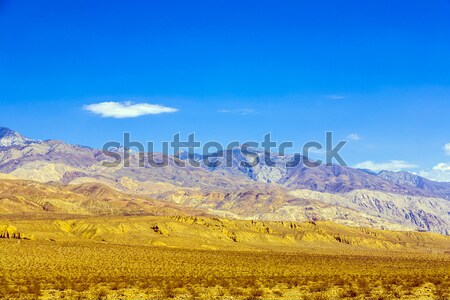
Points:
(335, 97)
(393, 165)
(447, 149)
(241, 111)
(440, 172)
(127, 109)
(353, 137)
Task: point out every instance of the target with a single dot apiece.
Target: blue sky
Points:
(235, 70)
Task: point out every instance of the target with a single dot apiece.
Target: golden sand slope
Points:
(214, 233)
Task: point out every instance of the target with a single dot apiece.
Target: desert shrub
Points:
(238, 292)
(277, 292)
(350, 292)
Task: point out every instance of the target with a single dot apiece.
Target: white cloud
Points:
(440, 172)
(442, 167)
(447, 149)
(393, 165)
(127, 109)
(242, 111)
(353, 137)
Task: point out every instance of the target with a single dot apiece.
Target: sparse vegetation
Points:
(90, 270)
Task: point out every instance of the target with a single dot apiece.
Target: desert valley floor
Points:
(148, 257)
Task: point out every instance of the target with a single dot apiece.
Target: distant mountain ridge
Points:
(324, 179)
(344, 179)
(342, 194)
(441, 189)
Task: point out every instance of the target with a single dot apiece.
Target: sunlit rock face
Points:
(10, 138)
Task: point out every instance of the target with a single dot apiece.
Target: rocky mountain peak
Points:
(10, 138)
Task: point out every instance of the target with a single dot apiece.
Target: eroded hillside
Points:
(219, 234)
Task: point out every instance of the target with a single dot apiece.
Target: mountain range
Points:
(55, 177)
